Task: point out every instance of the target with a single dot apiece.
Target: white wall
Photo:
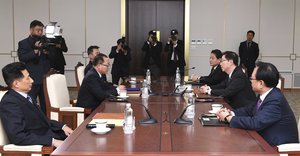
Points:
(84, 23)
(276, 23)
(223, 22)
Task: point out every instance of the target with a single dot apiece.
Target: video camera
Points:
(52, 36)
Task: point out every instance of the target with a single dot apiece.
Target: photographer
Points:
(152, 59)
(33, 53)
(175, 49)
(122, 57)
(56, 56)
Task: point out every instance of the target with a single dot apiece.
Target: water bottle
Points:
(177, 78)
(128, 119)
(190, 111)
(148, 77)
(145, 89)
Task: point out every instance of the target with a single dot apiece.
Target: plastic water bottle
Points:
(190, 111)
(177, 78)
(148, 77)
(145, 89)
(128, 119)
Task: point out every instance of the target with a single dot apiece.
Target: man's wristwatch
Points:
(225, 119)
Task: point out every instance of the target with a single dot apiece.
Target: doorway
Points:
(145, 15)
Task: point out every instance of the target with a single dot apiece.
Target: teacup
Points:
(216, 107)
(100, 124)
(123, 93)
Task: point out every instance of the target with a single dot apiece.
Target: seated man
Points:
(271, 116)
(216, 75)
(236, 88)
(94, 89)
(23, 121)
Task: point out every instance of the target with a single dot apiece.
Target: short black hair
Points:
(251, 31)
(35, 23)
(174, 32)
(12, 72)
(229, 55)
(91, 48)
(152, 32)
(268, 73)
(99, 59)
(217, 53)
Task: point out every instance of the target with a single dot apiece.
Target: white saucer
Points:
(100, 131)
(123, 97)
(212, 112)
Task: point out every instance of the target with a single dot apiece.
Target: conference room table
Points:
(164, 137)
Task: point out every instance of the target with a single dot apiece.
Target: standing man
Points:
(23, 121)
(175, 49)
(57, 59)
(248, 52)
(92, 52)
(122, 56)
(32, 52)
(236, 88)
(270, 115)
(152, 60)
(94, 89)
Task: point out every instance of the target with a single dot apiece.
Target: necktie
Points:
(249, 45)
(29, 99)
(258, 104)
(175, 55)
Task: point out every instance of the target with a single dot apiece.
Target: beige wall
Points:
(222, 22)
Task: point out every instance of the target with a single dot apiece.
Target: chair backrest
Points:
(280, 84)
(58, 91)
(3, 138)
(79, 74)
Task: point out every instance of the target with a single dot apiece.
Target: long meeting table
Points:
(165, 137)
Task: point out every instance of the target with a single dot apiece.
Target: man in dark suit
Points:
(236, 88)
(248, 52)
(152, 60)
(23, 121)
(35, 56)
(271, 116)
(122, 56)
(56, 56)
(94, 89)
(175, 49)
(92, 51)
(216, 75)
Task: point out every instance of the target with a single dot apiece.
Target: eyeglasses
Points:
(250, 78)
(223, 60)
(106, 65)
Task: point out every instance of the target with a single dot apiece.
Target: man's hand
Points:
(57, 143)
(194, 77)
(121, 87)
(224, 112)
(203, 89)
(68, 131)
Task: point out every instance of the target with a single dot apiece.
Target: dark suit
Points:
(172, 65)
(37, 66)
(248, 56)
(237, 90)
(274, 120)
(56, 56)
(216, 76)
(25, 124)
(94, 90)
(152, 58)
(120, 67)
(89, 67)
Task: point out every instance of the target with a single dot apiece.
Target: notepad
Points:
(211, 120)
(111, 118)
